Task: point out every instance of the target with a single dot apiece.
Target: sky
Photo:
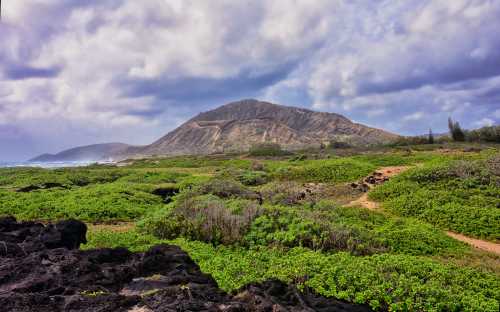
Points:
(77, 72)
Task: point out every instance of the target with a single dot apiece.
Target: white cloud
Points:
(137, 66)
(485, 122)
(414, 117)
(496, 114)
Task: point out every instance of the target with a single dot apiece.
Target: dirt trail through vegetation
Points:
(378, 177)
(382, 175)
(477, 243)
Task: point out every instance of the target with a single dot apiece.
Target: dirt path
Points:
(477, 243)
(378, 177)
(383, 175)
(113, 227)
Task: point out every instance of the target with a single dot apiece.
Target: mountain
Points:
(236, 126)
(85, 153)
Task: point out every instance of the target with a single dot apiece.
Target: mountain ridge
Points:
(91, 152)
(237, 126)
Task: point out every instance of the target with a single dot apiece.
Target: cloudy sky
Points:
(76, 72)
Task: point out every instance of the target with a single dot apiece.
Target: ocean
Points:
(60, 164)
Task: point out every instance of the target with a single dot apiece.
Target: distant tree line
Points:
(489, 134)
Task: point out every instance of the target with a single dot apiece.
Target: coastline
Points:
(51, 165)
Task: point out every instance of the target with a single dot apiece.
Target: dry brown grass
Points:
(212, 221)
(119, 227)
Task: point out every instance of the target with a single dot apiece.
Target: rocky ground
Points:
(42, 269)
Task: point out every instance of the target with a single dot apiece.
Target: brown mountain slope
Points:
(239, 125)
(95, 152)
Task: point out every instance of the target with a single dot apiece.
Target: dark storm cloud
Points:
(209, 89)
(27, 72)
(145, 66)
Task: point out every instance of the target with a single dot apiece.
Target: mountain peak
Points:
(236, 126)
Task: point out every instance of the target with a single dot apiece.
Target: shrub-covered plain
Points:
(246, 219)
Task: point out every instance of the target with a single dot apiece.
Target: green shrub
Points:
(97, 202)
(267, 149)
(291, 228)
(485, 134)
(154, 177)
(192, 162)
(253, 178)
(206, 218)
(330, 170)
(224, 188)
(284, 193)
(461, 196)
(21, 177)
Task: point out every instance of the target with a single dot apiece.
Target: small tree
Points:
(456, 132)
(431, 137)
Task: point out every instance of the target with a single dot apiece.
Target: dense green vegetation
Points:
(386, 281)
(225, 212)
(331, 170)
(485, 134)
(245, 219)
(267, 149)
(86, 194)
(463, 196)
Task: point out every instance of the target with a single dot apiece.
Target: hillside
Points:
(236, 126)
(84, 153)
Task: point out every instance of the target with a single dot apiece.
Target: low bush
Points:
(285, 227)
(192, 162)
(223, 188)
(329, 170)
(461, 196)
(253, 178)
(22, 177)
(493, 165)
(154, 177)
(327, 226)
(485, 134)
(284, 193)
(206, 218)
(98, 202)
(245, 177)
(267, 149)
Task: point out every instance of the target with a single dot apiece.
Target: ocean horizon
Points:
(49, 165)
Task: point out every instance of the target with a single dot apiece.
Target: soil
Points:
(378, 177)
(42, 269)
(477, 243)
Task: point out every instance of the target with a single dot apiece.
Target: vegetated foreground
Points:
(41, 270)
(284, 218)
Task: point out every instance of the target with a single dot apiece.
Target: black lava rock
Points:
(41, 269)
